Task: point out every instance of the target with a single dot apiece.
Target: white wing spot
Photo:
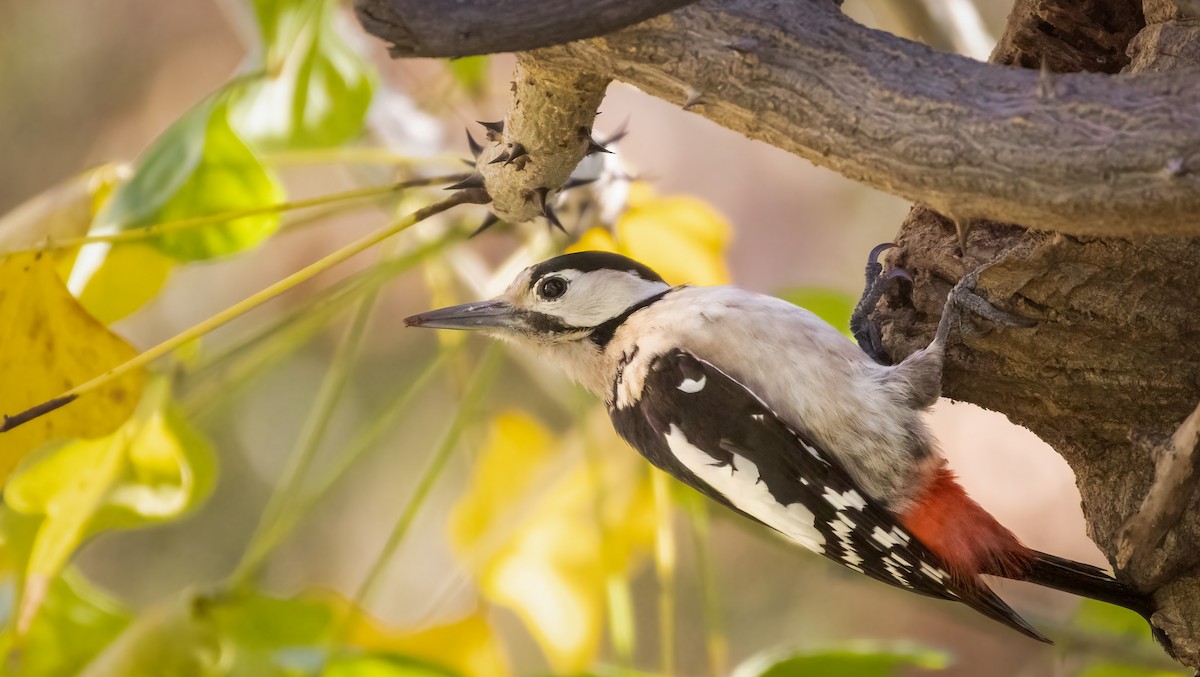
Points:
(896, 573)
(815, 454)
(847, 499)
(743, 489)
(933, 572)
(844, 528)
(887, 539)
(691, 385)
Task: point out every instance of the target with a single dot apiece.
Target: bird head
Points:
(563, 300)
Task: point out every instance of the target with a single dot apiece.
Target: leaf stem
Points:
(223, 373)
(300, 461)
(664, 566)
(253, 301)
(485, 372)
(363, 442)
(715, 640)
(154, 230)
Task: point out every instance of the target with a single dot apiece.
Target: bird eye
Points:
(552, 288)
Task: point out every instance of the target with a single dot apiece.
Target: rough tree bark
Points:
(1104, 165)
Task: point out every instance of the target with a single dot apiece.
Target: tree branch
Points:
(1177, 462)
(1082, 154)
(544, 135)
(467, 27)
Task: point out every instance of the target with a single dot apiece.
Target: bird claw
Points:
(963, 297)
(866, 332)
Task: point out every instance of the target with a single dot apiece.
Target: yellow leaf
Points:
(467, 646)
(597, 240)
(543, 530)
(49, 343)
(680, 237)
(151, 469)
(126, 277)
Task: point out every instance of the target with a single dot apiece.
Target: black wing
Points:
(691, 405)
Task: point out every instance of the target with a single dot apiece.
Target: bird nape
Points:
(771, 412)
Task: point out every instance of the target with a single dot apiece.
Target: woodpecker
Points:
(773, 413)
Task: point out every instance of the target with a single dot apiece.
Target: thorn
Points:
(502, 157)
(540, 196)
(594, 148)
(476, 147)
(1046, 89)
(488, 221)
(469, 163)
(694, 98)
(472, 181)
(962, 227)
(575, 183)
(495, 130)
(517, 151)
(744, 45)
(617, 135)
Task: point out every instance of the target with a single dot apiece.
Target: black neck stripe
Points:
(604, 332)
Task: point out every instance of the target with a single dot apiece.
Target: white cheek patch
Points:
(742, 487)
(691, 385)
(597, 296)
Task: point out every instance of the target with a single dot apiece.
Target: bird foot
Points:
(866, 332)
(964, 298)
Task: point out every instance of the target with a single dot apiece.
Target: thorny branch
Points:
(1116, 156)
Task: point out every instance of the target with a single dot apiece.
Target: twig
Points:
(480, 382)
(154, 230)
(290, 485)
(238, 309)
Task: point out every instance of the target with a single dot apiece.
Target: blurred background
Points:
(542, 545)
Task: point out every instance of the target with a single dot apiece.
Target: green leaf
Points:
(830, 305)
(317, 90)
(1118, 670)
(176, 637)
(1107, 619)
(76, 622)
(471, 74)
(259, 621)
(853, 660)
(198, 167)
(384, 665)
(280, 23)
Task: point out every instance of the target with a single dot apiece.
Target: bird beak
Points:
(492, 314)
